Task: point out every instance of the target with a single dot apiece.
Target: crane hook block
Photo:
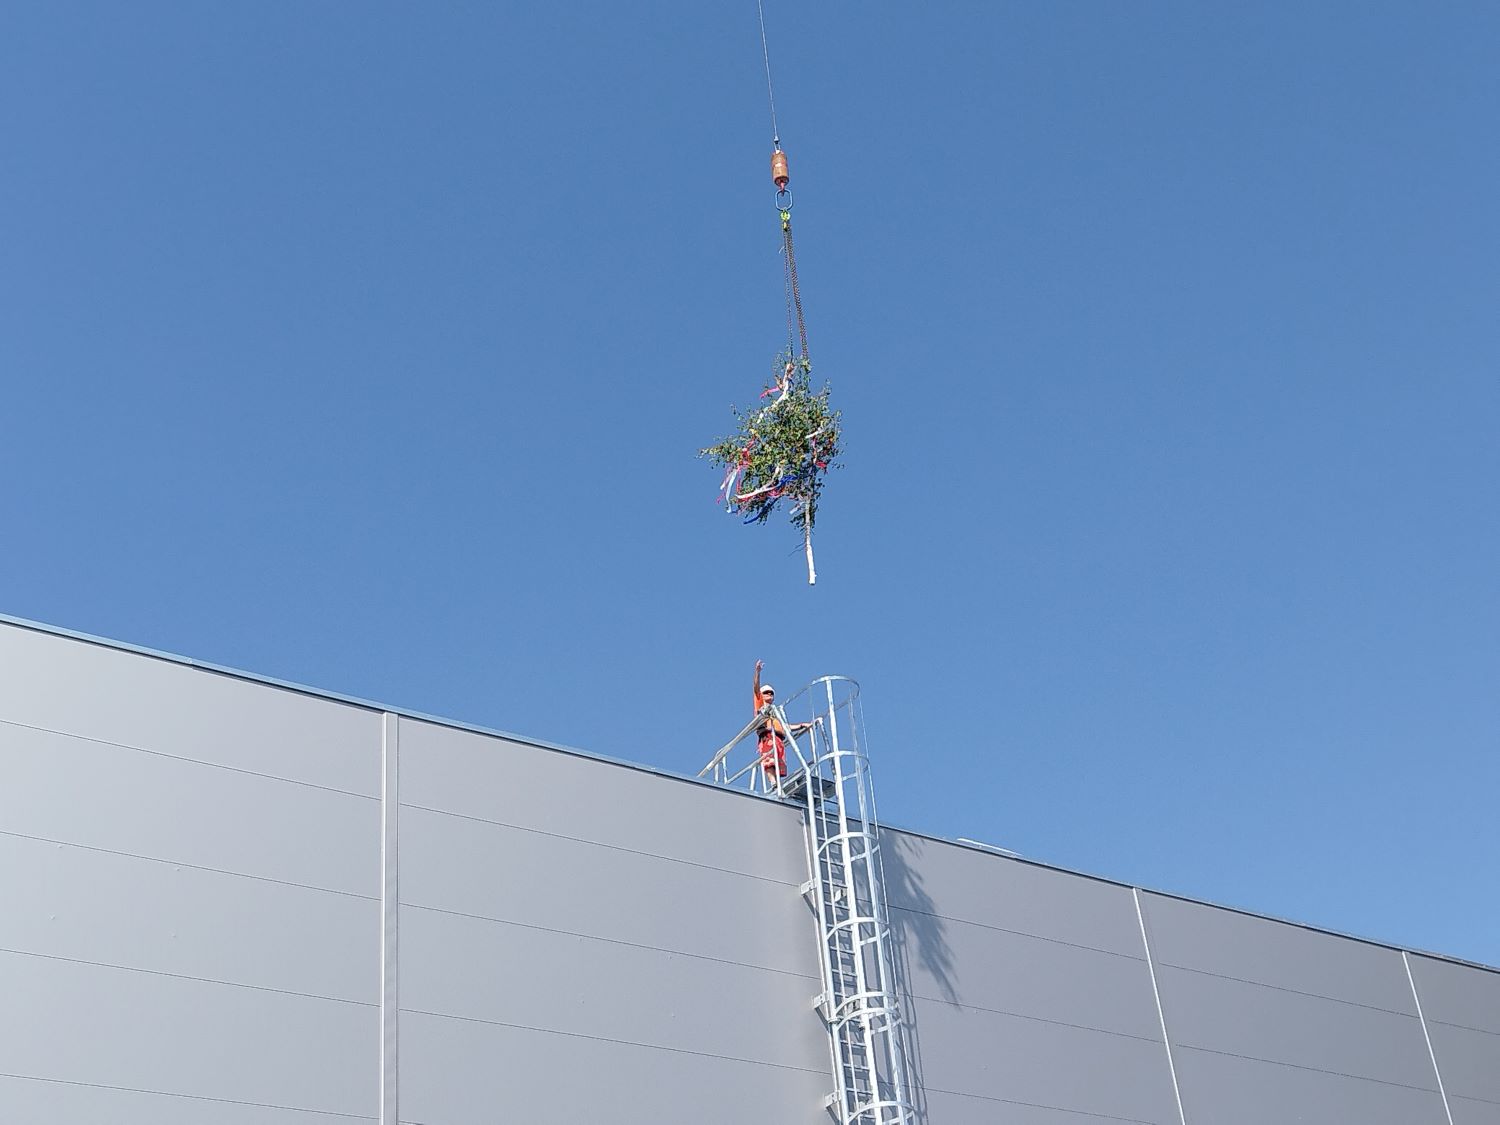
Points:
(778, 169)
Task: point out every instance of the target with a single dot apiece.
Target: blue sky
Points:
(369, 346)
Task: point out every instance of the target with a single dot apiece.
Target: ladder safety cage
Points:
(859, 1001)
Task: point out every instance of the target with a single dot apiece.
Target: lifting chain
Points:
(781, 178)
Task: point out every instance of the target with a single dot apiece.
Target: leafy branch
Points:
(781, 450)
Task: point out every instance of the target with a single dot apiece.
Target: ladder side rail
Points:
(856, 1062)
(880, 907)
(839, 838)
(826, 999)
(874, 946)
(855, 1013)
(877, 1014)
(855, 1059)
(873, 990)
(818, 881)
(841, 780)
(802, 762)
(838, 941)
(873, 939)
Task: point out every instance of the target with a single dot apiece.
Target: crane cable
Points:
(784, 207)
(765, 52)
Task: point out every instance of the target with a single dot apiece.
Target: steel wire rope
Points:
(765, 52)
(784, 205)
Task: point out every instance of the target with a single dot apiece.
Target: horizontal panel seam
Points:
(758, 968)
(1038, 1105)
(1465, 1027)
(190, 1097)
(607, 940)
(1311, 1069)
(1018, 933)
(617, 1042)
(600, 844)
(193, 761)
(186, 976)
(1293, 991)
(190, 866)
(1038, 1019)
(1474, 1098)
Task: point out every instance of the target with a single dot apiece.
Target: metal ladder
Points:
(829, 775)
(846, 888)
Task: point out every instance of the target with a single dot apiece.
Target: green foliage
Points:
(781, 450)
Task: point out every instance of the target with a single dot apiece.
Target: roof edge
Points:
(526, 740)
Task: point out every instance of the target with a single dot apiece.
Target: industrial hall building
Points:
(233, 901)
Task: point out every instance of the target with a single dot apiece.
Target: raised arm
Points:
(756, 687)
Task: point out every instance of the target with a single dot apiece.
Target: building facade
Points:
(231, 901)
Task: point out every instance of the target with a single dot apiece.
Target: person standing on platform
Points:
(771, 736)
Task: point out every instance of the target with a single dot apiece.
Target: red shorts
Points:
(773, 753)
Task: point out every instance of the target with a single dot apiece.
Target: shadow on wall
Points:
(915, 925)
(917, 934)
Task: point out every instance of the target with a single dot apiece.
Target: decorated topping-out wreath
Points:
(781, 450)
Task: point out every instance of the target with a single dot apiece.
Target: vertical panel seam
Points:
(1431, 1054)
(390, 903)
(1161, 1014)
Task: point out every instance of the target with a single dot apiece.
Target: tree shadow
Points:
(915, 923)
(918, 938)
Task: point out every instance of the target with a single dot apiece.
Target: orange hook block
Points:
(778, 169)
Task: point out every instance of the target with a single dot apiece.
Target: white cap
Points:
(767, 688)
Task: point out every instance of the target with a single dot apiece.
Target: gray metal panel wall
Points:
(197, 927)
(1031, 995)
(583, 941)
(1274, 1022)
(188, 864)
(1461, 1005)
